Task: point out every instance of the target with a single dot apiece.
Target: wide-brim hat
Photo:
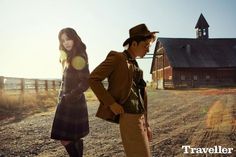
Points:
(139, 30)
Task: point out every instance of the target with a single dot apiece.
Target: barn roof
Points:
(198, 53)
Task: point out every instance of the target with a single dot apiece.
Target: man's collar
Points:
(129, 55)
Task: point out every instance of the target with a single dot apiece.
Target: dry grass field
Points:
(199, 118)
(16, 105)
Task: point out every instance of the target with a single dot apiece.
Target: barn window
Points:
(208, 77)
(204, 32)
(195, 77)
(182, 77)
(200, 32)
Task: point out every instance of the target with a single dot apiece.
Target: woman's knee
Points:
(64, 143)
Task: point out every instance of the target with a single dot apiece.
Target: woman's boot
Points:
(71, 149)
(79, 147)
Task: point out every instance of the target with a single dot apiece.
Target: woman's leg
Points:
(70, 148)
(79, 147)
(74, 148)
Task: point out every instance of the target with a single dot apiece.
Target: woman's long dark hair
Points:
(79, 47)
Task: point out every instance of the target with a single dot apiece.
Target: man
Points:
(125, 100)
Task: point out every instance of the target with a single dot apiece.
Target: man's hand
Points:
(116, 108)
(149, 134)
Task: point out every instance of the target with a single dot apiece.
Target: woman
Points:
(71, 118)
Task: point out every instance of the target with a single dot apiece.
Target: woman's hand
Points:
(116, 108)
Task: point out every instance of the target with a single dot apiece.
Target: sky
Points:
(29, 28)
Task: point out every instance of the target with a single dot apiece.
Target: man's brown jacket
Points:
(119, 73)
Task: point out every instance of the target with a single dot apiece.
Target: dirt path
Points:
(196, 118)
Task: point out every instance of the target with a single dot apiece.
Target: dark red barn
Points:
(200, 62)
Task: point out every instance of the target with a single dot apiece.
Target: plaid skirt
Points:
(71, 120)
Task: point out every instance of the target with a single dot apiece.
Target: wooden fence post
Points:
(36, 86)
(54, 85)
(46, 85)
(22, 85)
(1, 85)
